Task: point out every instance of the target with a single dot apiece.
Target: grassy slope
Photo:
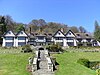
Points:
(13, 63)
(68, 63)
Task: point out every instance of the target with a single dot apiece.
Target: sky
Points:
(69, 12)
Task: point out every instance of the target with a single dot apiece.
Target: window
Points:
(9, 38)
(9, 44)
(21, 43)
(59, 38)
(78, 34)
(79, 40)
(70, 43)
(69, 38)
(48, 39)
(32, 39)
(36, 33)
(59, 33)
(50, 34)
(89, 40)
(69, 33)
(21, 38)
(40, 38)
(87, 35)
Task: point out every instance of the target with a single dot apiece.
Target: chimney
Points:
(30, 30)
(62, 29)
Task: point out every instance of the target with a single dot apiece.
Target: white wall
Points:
(70, 34)
(59, 34)
(15, 40)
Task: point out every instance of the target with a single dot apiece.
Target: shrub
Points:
(94, 65)
(54, 48)
(84, 62)
(26, 48)
(98, 71)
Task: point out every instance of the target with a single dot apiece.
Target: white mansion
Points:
(10, 39)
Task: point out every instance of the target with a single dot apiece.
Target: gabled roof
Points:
(69, 32)
(20, 32)
(14, 33)
(60, 32)
(7, 32)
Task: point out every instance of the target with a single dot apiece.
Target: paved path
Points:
(43, 66)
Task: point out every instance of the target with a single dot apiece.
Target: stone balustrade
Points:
(34, 64)
(37, 53)
(50, 64)
(41, 61)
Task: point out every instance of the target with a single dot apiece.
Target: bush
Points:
(54, 48)
(94, 65)
(84, 62)
(26, 48)
(98, 71)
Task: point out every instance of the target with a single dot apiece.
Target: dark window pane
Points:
(21, 43)
(9, 38)
(69, 38)
(21, 38)
(9, 44)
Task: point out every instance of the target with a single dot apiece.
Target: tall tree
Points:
(97, 31)
(41, 22)
(82, 29)
(19, 27)
(9, 22)
(96, 25)
(74, 29)
(2, 25)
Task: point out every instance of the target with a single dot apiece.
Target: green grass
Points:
(10, 50)
(68, 63)
(12, 62)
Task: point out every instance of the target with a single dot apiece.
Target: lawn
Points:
(68, 63)
(12, 62)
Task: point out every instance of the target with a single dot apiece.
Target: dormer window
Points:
(45, 34)
(87, 35)
(50, 34)
(36, 33)
(78, 34)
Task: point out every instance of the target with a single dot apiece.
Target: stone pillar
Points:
(34, 65)
(30, 60)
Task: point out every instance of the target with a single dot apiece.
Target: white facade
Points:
(67, 39)
(59, 37)
(12, 40)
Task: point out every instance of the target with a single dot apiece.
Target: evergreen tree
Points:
(2, 26)
(82, 29)
(97, 31)
(96, 25)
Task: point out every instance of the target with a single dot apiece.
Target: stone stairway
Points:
(43, 66)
